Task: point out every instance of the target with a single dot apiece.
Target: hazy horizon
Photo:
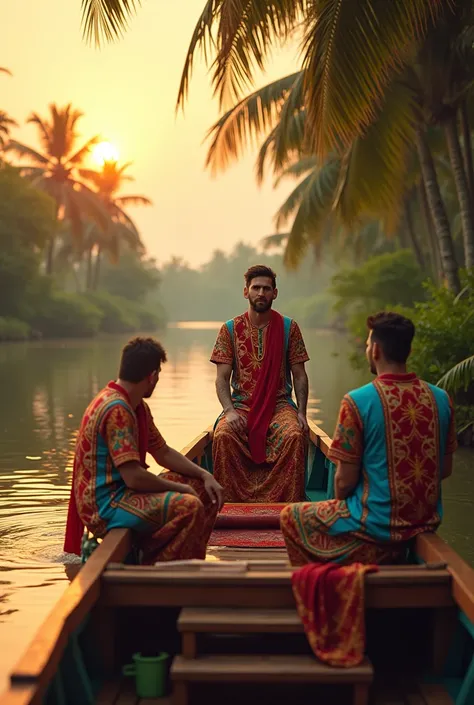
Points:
(127, 91)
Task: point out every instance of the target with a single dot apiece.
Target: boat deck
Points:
(122, 692)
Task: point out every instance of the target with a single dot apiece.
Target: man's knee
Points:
(286, 516)
(224, 432)
(194, 505)
(295, 434)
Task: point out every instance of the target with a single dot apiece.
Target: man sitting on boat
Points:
(393, 444)
(259, 440)
(172, 514)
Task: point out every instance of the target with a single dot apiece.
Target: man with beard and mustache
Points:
(393, 444)
(111, 486)
(259, 439)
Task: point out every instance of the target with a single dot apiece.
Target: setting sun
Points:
(105, 152)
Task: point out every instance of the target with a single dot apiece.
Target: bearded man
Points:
(259, 439)
(393, 445)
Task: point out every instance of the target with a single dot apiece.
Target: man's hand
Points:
(185, 489)
(303, 423)
(236, 421)
(214, 490)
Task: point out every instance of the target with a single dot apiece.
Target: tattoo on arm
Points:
(301, 392)
(223, 392)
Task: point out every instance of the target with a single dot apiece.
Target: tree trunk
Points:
(466, 137)
(50, 255)
(462, 189)
(438, 213)
(89, 270)
(411, 234)
(431, 239)
(95, 283)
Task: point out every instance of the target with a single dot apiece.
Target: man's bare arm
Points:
(300, 381)
(234, 419)
(346, 478)
(223, 386)
(140, 480)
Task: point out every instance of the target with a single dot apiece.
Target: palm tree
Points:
(6, 123)
(55, 170)
(106, 19)
(107, 183)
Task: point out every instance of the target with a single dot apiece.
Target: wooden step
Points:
(262, 669)
(237, 620)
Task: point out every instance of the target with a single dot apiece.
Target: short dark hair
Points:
(259, 270)
(140, 357)
(394, 333)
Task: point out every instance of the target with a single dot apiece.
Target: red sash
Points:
(74, 525)
(330, 603)
(265, 393)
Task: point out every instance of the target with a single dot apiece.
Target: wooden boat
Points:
(234, 633)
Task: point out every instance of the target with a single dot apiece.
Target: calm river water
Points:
(45, 389)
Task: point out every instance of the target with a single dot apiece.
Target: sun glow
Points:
(105, 152)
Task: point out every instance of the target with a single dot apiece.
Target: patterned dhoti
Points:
(280, 479)
(306, 528)
(167, 526)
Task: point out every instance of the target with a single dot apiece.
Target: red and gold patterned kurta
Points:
(398, 430)
(168, 525)
(281, 478)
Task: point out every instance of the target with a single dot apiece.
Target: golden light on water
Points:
(105, 152)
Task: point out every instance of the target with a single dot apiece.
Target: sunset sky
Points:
(128, 93)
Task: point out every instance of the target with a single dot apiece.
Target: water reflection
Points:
(46, 387)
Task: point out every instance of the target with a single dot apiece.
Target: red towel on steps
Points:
(330, 602)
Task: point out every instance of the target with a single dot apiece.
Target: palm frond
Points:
(5, 70)
(460, 376)
(275, 240)
(44, 130)
(81, 153)
(244, 33)
(297, 169)
(281, 146)
(91, 175)
(245, 122)
(292, 202)
(106, 19)
(133, 201)
(314, 212)
(351, 52)
(22, 150)
(90, 204)
(375, 169)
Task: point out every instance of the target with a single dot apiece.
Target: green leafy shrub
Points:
(13, 329)
(118, 315)
(61, 315)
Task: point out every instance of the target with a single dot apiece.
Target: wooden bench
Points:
(391, 587)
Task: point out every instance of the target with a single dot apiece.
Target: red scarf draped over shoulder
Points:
(74, 525)
(265, 393)
(330, 603)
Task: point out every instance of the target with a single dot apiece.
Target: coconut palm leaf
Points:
(23, 151)
(245, 122)
(460, 376)
(293, 201)
(133, 201)
(297, 169)
(281, 146)
(351, 53)
(314, 213)
(4, 70)
(374, 172)
(106, 19)
(82, 153)
(275, 240)
(90, 204)
(244, 32)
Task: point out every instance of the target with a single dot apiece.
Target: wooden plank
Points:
(431, 547)
(264, 590)
(198, 444)
(20, 695)
(41, 658)
(254, 668)
(238, 620)
(319, 438)
(435, 694)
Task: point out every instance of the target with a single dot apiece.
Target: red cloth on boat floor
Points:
(330, 602)
(74, 525)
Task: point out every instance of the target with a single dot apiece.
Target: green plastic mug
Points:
(150, 674)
